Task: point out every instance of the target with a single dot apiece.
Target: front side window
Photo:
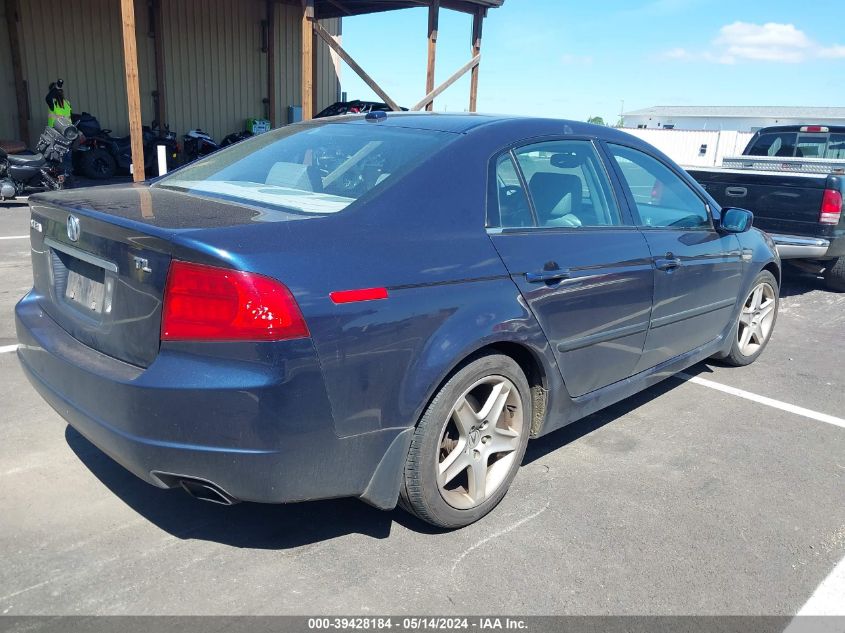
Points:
(308, 169)
(568, 185)
(662, 198)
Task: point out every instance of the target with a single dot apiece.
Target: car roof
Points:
(463, 123)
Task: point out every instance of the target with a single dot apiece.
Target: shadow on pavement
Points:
(546, 444)
(248, 525)
(796, 282)
(263, 526)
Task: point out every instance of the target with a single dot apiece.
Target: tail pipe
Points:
(207, 491)
(198, 488)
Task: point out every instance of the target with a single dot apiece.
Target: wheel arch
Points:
(537, 370)
(773, 268)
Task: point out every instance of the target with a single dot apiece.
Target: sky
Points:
(575, 59)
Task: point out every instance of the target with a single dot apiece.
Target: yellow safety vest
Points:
(58, 111)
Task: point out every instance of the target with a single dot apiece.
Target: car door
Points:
(697, 269)
(579, 262)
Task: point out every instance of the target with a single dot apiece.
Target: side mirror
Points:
(736, 220)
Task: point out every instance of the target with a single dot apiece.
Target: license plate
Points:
(85, 292)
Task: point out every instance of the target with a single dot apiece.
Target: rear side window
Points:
(782, 144)
(309, 169)
(510, 199)
(568, 185)
(662, 198)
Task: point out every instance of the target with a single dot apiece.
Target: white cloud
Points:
(764, 42)
(833, 52)
(769, 42)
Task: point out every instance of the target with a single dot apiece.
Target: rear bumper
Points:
(801, 247)
(253, 419)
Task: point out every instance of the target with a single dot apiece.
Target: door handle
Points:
(667, 263)
(736, 192)
(547, 276)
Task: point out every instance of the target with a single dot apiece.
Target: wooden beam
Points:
(307, 79)
(471, 64)
(330, 41)
(12, 19)
(133, 91)
(158, 50)
(271, 60)
(433, 26)
(477, 23)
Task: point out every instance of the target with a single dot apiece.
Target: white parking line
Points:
(15, 237)
(828, 600)
(777, 404)
(8, 348)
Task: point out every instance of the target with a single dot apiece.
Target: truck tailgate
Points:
(785, 203)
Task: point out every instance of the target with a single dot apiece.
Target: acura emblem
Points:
(73, 228)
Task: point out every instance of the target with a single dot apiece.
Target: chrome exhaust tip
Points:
(206, 491)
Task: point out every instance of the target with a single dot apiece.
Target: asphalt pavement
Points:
(681, 500)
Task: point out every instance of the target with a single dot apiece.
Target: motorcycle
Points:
(198, 143)
(43, 170)
(104, 154)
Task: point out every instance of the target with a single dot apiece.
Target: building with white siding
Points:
(732, 118)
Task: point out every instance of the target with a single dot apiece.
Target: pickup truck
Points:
(792, 178)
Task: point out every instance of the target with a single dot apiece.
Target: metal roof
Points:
(343, 8)
(757, 112)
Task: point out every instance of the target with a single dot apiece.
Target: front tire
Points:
(834, 275)
(756, 321)
(469, 443)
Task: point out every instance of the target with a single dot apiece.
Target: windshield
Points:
(308, 169)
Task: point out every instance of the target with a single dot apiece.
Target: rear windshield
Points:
(308, 169)
(792, 145)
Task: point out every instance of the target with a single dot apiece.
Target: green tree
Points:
(596, 120)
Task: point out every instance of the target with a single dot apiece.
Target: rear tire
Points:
(755, 321)
(834, 275)
(98, 164)
(469, 443)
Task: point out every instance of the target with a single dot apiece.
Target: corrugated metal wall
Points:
(81, 42)
(328, 68)
(289, 67)
(8, 104)
(215, 72)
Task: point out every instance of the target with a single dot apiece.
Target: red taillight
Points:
(831, 210)
(217, 304)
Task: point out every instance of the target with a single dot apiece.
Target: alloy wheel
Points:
(479, 442)
(756, 319)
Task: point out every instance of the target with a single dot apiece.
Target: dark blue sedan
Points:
(385, 307)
